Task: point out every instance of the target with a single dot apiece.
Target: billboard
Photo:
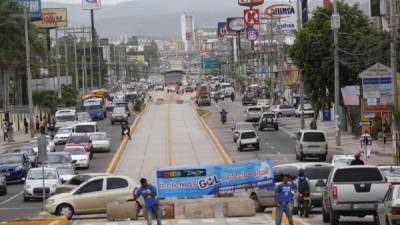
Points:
(201, 180)
(282, 15)
(91, 4)
(34, 8)
(104, 41)
(250, 2)
(52, 17)
(135, 58)
(223, 30)
(235, 24)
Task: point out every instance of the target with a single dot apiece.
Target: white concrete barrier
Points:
(199, 210)
(239, 208)
(122, 211)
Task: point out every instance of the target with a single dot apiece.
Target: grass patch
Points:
(201, 112)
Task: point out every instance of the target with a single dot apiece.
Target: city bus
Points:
(95, 106)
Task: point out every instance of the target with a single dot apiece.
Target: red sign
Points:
(252, 16)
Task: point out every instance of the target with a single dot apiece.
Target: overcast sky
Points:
(103, 2)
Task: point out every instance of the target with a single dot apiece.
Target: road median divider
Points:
(296, 221)
(121, 149)
(51, 220)
(239, 208)
(199, 210)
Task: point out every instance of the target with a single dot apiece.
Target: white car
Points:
(34, 145)
(62, 135)
(339, 160)
(284, 110)
(253, 113)
(308, 111)
(240, 126)
(65, 173)
(79, 156)
(247, 139)
(33, 188)
(264, 102)
(100, 141)
(228, 91)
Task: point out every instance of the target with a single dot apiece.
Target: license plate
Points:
(6, 174)
(364, 206)
(249, 146)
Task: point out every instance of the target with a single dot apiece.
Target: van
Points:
(311, 143)
(85, 128)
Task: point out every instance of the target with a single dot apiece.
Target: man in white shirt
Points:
(366, 144)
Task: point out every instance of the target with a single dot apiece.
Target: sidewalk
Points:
(19, 138)
(381, 153)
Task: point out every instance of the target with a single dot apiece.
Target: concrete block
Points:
(239, 208)
(122, 211)
(167, 210)
(199, 210)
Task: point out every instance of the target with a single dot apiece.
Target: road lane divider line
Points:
(217, 144)
(121, 149)
(13, 197)
(169, 141)
(296, 220)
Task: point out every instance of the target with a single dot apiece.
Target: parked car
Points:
(253, 113)
(247, 139)
(284, 110)
(101, 142)
(76, 180)
(311, 143)
(62, 135)
(33, 188)
(65, 173)
(33, 157)
(353, 191)
(3, 184)
(391, 173)
(119, 115)
(80, 157)
(308, 110)
(14, 166)
(388, 211)
(84, 117)
(340, 160)
(249, 99)
(92, 196)
(268, 120)
(240, 126)
(55, 159)
(203, 100)
(81, 140)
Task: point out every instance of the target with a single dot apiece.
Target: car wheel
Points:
(333, 218)
(323, 158)
(65, 210)
(258, 206)
(325, 216)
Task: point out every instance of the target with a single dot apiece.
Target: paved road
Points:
(12, 205)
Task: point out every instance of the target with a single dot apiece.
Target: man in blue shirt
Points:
(149, 194)
(284, 199)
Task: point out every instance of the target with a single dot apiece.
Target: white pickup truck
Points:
(353, 191)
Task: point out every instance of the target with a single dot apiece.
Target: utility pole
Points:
(99, 64)
(84, 75)
(301, 89)
(66, 56)
(393, 65)
(335, 23)
(76, 64)
(91, 62)
(58, 64)
(28, 74)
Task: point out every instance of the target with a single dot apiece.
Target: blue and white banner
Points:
(200, 180)
(33, 7)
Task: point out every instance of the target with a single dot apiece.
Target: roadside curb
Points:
(218, 146)
(296, 220)
(121, 149)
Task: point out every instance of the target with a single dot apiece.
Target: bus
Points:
(95, 106)
(65, 117)
(101, 93)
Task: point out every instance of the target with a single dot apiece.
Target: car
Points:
(388, 211)
(101, 142)
(247, 139)
(34, 145)
(253, 113)
(75, 181)
(33, 188)
(85, 128)
(159, 88)
(308, 110)
(392, 173)
(81, 140)
(212, 94)
(189, 90)
(65, 173)
(80, 157)
(84, 117)
(228, 91)
(340, 160)
(124, 104)
(14, 166)
(110, 106)
(119, 115)
(33, 157)
(268, 120)
(219, 95)
(55, 159)
(171, 88)
(284, 110)
(354, 191)
(203, 100)
(92, 196)
(240, 126)
(311, 143)
(264, 102)
(61, 137)
(3, 184)
(249, 99)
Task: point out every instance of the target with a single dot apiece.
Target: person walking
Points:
(37, 123)
(357, 160)
(284, 200)
(149, 194)
(5, 130)
(366, 144)
(26, 125)
(42, 126)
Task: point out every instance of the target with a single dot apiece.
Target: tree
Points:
(46, 100)
(151, 53)
(69, 95)
(132, 41)
(312, 52)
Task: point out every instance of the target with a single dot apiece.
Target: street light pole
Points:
(301, 89)
(336, 25)
(58, 64)
(29, 74)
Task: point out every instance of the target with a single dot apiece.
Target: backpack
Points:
(366, 140)
(303, 185)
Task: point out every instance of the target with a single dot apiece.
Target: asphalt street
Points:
(12, 205)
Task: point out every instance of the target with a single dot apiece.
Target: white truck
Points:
(353, 191)
(65, 117)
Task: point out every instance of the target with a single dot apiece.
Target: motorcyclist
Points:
(223, 114)
(303, 193)
(233, 97)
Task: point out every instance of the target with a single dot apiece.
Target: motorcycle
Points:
(223, 119)
(304, 204)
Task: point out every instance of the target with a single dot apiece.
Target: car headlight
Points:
(18, 168)
(82, 160)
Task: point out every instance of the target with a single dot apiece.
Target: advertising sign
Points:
(52, 17)
(252, 17)
(200, 180)
(250, 3)
(103, 42)
(34, 8)
(91, 4)
(135, 58)
(235, 24)
(377, 88)
(251, 34)
(223, 30)
(282, 16)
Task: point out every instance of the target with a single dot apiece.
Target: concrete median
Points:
(122, 211)
(51, 220)
(239, 208)
(199, 210)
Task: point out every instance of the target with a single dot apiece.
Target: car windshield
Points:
(254, 109)
(248, 135)
(65, 171)
(314, 137)
(85, 129)
(38, 174)
(245, 126)
(10, 159)
(75, 151)
(79, 139)
(58, 158)
(319, 172)
(98, 136)
(119, 110)
(64, 131)
(357, 175)
(65, 118)
(344, 160)
(391, 171)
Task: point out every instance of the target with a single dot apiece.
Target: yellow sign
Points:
(52, 18)
(136, 58)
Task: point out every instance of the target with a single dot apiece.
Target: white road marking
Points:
(230, 220)
(15, 196)
(136, 223)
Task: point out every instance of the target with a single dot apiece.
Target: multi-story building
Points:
(187, 31)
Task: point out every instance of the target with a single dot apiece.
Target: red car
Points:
(189, 90)
(82, 140)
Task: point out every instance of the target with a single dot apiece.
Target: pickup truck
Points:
(353, 191)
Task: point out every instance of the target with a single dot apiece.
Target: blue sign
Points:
(251, 34)
(34, 7)
(200, 180)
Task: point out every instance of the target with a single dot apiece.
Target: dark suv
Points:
(268, 120)
(249, 100)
